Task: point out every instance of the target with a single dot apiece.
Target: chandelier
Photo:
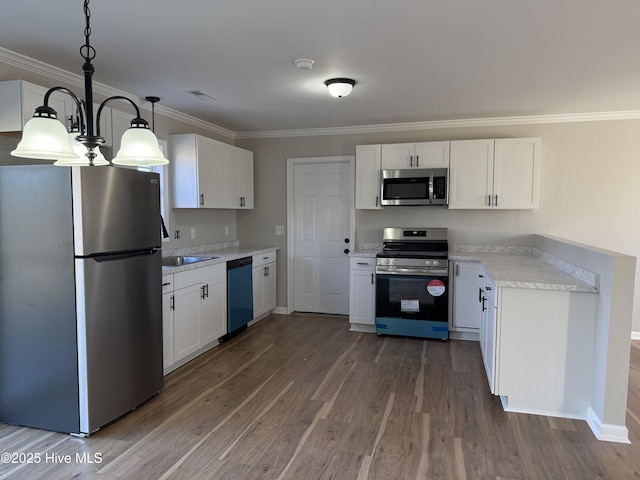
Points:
(45, 137)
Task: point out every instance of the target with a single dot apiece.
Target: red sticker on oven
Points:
(436, 287)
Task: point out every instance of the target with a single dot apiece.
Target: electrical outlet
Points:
(226, 230)
(177, 234)
(279, 229)
(193, 232)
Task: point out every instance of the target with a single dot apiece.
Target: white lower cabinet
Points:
(537, 348)
(186, 323)
(465, 318)
(362, 297)
(264, 284)
(214, 304)
(167, 321)
(488, 328)
(194, 313)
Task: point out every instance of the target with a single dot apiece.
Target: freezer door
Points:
(119, 302)
(115, 209)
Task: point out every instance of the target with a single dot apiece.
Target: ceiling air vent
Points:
(201, 95)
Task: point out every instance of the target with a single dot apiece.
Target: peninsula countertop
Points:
(519, 267)
(526, 270)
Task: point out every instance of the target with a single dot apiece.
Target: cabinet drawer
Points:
(363, 263)
(167, 283)
(264, 258)
(198, 275)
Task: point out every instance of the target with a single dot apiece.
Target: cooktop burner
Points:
(414, 243)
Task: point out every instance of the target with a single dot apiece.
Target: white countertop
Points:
(517, 267)
(520, 270)
(223, 255)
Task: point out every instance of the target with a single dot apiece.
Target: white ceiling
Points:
(414, 60)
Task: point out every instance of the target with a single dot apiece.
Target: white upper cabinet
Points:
(19, 99)
(471, 173)
(516, 173)
(398, 156)
(239, 165)
(501, 173)
(368, 176)
(198, 172)
(207, 173)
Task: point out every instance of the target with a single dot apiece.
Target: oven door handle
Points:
(436, 272)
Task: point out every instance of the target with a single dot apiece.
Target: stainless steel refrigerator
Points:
(80, 295)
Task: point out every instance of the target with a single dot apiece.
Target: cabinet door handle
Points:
(479, 294)
(172, 303)
(457, 269)
(265, 272)
(377, 201)
(166, 284)
(495, 203)
(483, 306)
(202, 199)
(411, 160)
(417, 160)
(363, 263)
(372, 279)
(489, 202)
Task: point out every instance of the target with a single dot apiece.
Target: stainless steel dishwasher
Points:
(239, 295)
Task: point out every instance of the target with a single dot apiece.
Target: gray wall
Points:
(588, 191)
(588, 187)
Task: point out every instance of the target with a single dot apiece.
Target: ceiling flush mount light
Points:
(45, 137)
(340, 87)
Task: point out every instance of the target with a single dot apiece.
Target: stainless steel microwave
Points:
(415, 186)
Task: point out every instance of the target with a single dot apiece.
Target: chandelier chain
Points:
(87, 51)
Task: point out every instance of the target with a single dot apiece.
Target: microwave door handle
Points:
(431, 188)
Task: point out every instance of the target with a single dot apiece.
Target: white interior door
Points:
(322, 206)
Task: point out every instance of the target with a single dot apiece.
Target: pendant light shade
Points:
(139, 146)
(45, 138)
(340, 87)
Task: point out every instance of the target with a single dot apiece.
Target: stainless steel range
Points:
(412, 283)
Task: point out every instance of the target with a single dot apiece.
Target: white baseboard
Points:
(635, 335)
(359, 327)
(607, 432)
(281, 310)
(464, 335)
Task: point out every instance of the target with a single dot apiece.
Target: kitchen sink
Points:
(177, 260)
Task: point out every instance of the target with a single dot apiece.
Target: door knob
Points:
(346, 240)
(346, 250)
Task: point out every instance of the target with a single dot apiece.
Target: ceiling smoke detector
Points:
(304, 63)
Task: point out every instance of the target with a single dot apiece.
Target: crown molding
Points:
(59, 75)
(432, 125)
(35, 66)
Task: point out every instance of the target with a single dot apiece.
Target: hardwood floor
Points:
(300, 397)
